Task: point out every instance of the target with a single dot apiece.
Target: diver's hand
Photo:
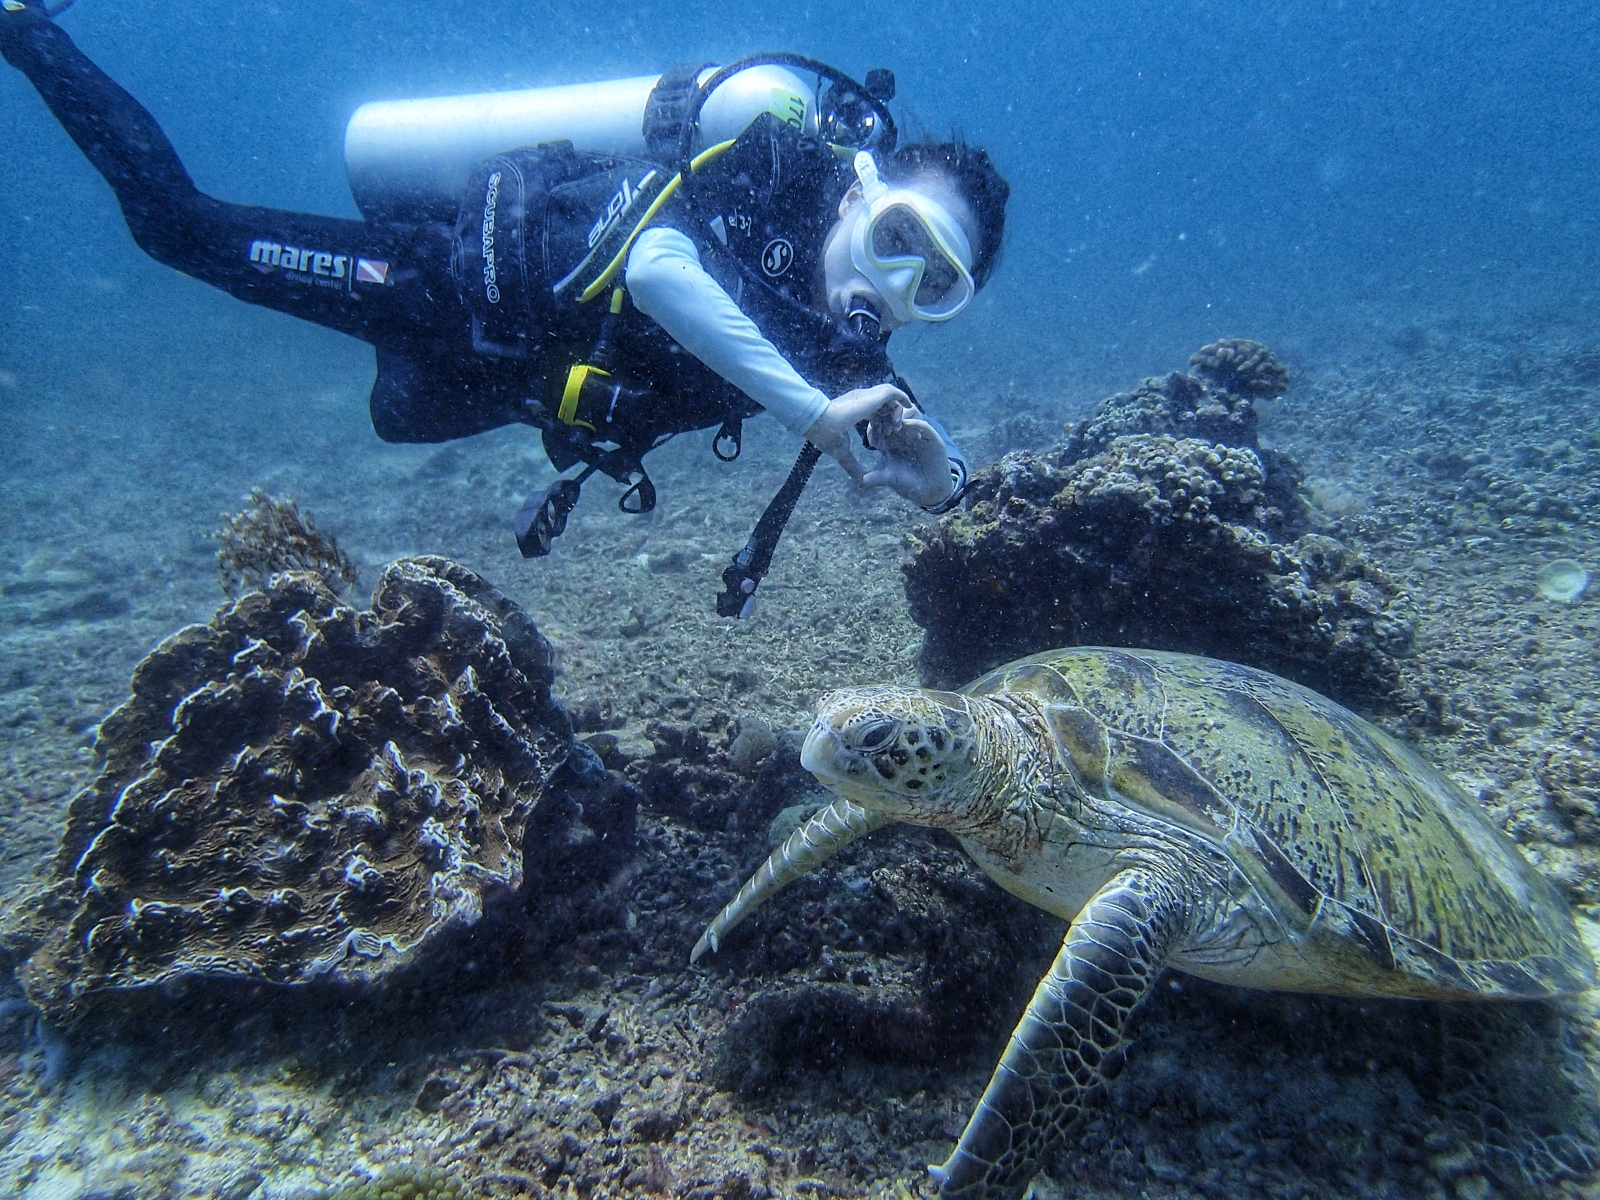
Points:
(881, 405)
(916, 464)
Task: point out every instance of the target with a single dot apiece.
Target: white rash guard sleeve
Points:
(668, 284)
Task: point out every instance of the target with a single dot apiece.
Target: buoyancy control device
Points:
(411, 160)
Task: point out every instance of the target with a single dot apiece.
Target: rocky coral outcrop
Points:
(900, 950)
(1177, 405)
(410, 1183)
(1560, 820)
(908, 954)
(1242, 367)
(1569, 772)
(302, 791)
(1160, 522)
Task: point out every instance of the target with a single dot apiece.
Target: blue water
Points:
(1287, 171)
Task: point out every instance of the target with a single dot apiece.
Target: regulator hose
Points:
(884, 136)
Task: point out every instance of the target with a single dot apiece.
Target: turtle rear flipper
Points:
(1069, 1043)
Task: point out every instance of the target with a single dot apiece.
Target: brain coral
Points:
(1242, 366)
(300, 790)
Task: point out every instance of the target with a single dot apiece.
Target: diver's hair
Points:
(974, 176)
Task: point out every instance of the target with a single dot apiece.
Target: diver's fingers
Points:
(915, 465)
(864, 403)
(908, 439)
(884, 424)
(851, 468)
(837, 447)
(888, 395)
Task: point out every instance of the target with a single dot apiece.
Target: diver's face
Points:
(846, 288)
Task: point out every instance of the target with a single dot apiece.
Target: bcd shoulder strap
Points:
(590, 224)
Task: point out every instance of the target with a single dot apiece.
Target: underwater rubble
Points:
(916, 953)
(300, 791)
(837, 1041)
(1159, 522)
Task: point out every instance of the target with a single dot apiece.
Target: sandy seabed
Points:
(1460, 459)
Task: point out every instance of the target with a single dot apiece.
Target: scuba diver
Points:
(610, 299)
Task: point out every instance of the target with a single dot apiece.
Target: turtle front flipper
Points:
(814, 843)
(1069, 1042)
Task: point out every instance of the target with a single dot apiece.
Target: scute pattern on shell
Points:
(408, 1183)
(1322, 809)
(300, 790)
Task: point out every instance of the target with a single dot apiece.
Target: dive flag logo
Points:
(368, 271)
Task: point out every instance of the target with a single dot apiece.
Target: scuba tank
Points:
(410, 159)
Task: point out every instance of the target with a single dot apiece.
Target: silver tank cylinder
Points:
(411, 158)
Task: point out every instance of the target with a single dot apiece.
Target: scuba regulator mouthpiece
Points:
(863, 321)
(859, 336)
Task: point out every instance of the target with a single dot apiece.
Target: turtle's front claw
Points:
(708, 941)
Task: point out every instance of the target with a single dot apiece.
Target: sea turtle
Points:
(1182, 812)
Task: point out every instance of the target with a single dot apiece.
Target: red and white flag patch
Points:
(368, 271)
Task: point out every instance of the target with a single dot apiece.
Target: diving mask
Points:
(912, 251)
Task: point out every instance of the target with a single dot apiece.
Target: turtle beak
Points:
(826, 757)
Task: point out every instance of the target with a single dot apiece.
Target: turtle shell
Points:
(1381, 867)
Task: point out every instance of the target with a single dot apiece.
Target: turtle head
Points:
(907, 751)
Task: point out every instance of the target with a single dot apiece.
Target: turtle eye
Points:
(876, 734)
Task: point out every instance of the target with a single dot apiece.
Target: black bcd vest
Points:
(537, 225)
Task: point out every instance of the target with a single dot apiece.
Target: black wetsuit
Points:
(399, 286)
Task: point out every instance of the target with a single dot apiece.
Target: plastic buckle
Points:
(738, 597)
(543, 517)
(644, 492)
(731, 431)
